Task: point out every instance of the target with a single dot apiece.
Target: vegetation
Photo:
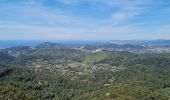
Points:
(59, 73)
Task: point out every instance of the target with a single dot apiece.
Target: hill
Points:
(65, 73)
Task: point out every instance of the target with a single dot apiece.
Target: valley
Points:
(79, 72)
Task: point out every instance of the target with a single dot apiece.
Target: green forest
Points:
(59, 73)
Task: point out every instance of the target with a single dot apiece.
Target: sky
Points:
(84, 19)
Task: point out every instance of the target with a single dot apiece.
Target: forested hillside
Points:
(50, 72)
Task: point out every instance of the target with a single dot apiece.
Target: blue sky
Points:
(84, 19)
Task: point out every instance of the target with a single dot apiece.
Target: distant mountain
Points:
(143, 42)
(48, 45)
(135, 46)
(115, 47)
